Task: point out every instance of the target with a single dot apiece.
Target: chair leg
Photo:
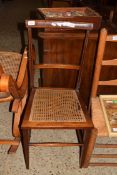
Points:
(16, 122)
(25, 145)
(17, 117)
(16, 132)
(80, 139)
(87, 149)
(13, 148)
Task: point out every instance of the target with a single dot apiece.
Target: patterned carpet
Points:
(43, 161)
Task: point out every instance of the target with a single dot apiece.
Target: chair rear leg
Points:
(25, 145)
(87, 149)
(80, 139)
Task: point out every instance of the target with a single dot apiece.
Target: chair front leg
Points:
(25, 145)
(87, 149)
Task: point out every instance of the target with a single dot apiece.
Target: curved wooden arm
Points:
(24, 86)
(7, 84)
(22, 70)
(23, 92)
(4, 83)
(1, 70)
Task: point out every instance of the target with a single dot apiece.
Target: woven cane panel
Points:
(98, 117)
(56, 105)
(10, 63)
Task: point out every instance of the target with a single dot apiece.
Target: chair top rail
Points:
(58, 24)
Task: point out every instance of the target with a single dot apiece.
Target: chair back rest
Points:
(102, 62)
(57, 26)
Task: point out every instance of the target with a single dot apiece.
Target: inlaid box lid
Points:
(78, 14)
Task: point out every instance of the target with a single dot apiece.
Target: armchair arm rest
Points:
(4, 83)
(7, 84)
(1, 70)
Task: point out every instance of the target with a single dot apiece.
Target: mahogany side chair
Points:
(13, 89)
(104, 62)
(57, 108)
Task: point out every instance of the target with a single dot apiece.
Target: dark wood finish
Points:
(25, 143)
(57, 24)
(87, 149)
(104, 60)
(28, 124)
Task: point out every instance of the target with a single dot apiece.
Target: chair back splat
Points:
(57, 108)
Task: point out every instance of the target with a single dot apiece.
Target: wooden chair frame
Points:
(17, 94)
(27, 124)
(99, 122)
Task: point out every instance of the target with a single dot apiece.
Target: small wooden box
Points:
(78, 14)
(109, 107)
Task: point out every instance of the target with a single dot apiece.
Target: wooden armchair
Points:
(105, 76)
(57, 108)
(14, 88)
